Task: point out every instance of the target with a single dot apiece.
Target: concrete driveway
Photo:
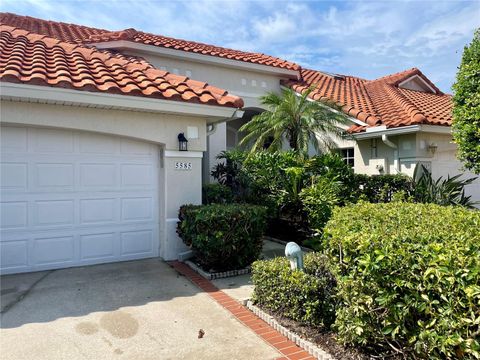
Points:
(133, 310)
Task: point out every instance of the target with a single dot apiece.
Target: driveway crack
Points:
(24, 294)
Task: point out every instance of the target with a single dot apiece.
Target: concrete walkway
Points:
(132, 310)
(240, 287)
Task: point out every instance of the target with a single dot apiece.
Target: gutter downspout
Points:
(212, 127)
(389, 143)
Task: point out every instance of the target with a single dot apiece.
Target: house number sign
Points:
(181, 165)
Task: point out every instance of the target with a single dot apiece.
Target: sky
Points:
(368, 39)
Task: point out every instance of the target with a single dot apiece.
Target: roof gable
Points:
(395, 100)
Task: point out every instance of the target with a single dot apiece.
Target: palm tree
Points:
(297, 119)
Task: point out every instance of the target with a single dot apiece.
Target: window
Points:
(347, 156)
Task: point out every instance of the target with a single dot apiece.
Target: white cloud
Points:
(363, 38)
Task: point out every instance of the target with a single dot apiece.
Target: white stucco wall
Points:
(180, 186)
(411, 149)
(249, 85)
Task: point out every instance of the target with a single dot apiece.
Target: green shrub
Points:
(216, 194)
(408, 278)
(318, 201)
(223, 237)
(466, 106)
(307, 297)
(381, 188)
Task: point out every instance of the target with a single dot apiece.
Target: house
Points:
(91, 171)
(397, 121)
(91, 168)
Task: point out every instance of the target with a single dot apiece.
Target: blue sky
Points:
(362, 38)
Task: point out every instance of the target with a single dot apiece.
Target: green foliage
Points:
(216, 194)
(293, 117)
(274, 180)
(223, 237)
(449, 191)
(381, 188)
(408, 278)
(228, 171)
(318, 201)
(307, 297)
(466, 106)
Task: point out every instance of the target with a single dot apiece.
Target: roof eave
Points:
(195, 57)
(52, 95)
(378, 131)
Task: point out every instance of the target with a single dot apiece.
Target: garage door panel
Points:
(53, 250)
(136, 175)
(97, 211)
(134, 209)
(50, 140)
(14, 214)
(98, 144)
(14, 175)
(95, 201)
(136, 242)
(54, 175)
(13, 139)
(14, 254)
(97, 246)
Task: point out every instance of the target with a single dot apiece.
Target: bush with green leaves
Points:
(318, 201)
(223, 237)
(381, 188)
(449, 191)
(408, 278)
(307, 297)
(466, 106)
(216, 194)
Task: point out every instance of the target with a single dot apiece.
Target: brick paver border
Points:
(282, 344)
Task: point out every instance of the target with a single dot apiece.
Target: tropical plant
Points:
(216, 194)
(466, 106)
(295, 118)
(449, 191)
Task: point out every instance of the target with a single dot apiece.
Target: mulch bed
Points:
(325, 340)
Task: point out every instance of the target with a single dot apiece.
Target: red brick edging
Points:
(281, 343)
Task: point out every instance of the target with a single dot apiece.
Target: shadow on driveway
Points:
(48, 295)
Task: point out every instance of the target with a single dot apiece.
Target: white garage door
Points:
(76, 198)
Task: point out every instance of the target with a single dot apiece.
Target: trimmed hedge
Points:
(216, 194)
(223, 237)
(307, 297)
(408, 278)
(382, 188)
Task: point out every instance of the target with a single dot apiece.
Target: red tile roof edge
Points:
(85, 68)
(89, 35)
(378, 102)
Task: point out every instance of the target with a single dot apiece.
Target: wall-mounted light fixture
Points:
(432, 147)
(182, 142)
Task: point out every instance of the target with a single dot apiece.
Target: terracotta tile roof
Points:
(83, 35)
(378, 102)
(27, 57)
